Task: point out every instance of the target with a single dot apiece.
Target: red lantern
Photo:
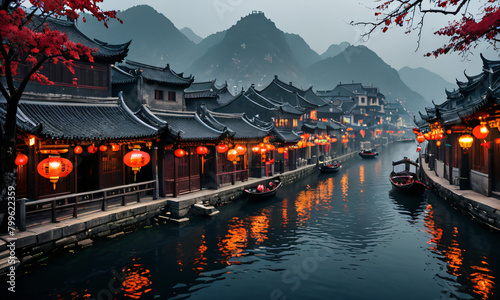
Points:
(260, 188)
(480, 131)
(221, 148)
(201, 150)
(334, 140)
(115, 147)
(136, 160)
(78, 150)
(92, 149)
(419, 148)
(427, 136)
(179, 152)
(54, 167)
(420, 138)
(103, 148)
(416, 131)
(240, 150)
(309, 144)
(232, 154)
(438, 143)
(439, 136)
(255, 149)
(21, 159)
(281, 150)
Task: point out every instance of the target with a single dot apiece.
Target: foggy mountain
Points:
(430, 85)
(335, 50)
(254, 50)
(301, 50)
(155, 39)
(191, 35)
(251, 52)
(360, 64)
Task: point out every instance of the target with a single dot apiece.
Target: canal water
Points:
(338, 236)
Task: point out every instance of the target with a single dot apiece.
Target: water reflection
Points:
(136, 283)
(471, 271)
(367, 235)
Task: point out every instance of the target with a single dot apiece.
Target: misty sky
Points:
(322, 23)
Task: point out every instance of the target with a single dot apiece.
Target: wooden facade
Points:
(471, 106)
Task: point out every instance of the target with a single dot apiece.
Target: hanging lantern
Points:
(420, 138)
(439, 136)
(419, 148)
(103, 148)
(255, 149)
(136, 160)
(334, 140)
(232, 154)
(201, 150)
(179, 152)
(438, 143)
(466, 141)
(221, 148)
(240, 150)
(115, 147)
(54, 167)
(78, 150)
(92, 149)
(21, 159)
(281, 150)
(309, 144)
(480, 131)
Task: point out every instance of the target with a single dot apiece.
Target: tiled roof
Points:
(80, 120)
(287, 135)
(105, 52)
(157, 74)
(187, 125)
(240, 125)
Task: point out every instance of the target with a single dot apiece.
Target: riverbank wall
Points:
(485, 210)
(42, 240)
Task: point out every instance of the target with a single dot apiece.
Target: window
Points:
(158, 95)
(295, 123)
(314, 115)
(171, 96)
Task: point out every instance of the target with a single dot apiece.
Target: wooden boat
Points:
(368, 153)
(264, 191)
(332, 167)
(407, 181)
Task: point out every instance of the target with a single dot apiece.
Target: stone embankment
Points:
(484, 209)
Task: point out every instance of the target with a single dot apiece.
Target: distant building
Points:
(207, 93)
(366, 103)
(155, 87)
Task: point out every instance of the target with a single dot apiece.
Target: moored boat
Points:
(332, 167)
(368, 153)
(406, 180)
(264, 191)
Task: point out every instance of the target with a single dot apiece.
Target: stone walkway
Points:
(484, 209)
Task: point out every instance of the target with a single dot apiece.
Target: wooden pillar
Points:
(450, 164)
(491, 168)
(154, 167)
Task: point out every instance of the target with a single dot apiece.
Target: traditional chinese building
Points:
(156, 87)
(468, 153)
(361, 104)
(207, 93)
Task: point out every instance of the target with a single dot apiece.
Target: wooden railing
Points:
(233, 174)
(73, 203)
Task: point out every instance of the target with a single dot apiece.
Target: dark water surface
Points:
(338, 236)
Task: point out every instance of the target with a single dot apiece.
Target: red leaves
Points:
(471, 27)
(32, 46)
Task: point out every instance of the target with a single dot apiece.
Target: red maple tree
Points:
(465, 32)
(28, 41)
